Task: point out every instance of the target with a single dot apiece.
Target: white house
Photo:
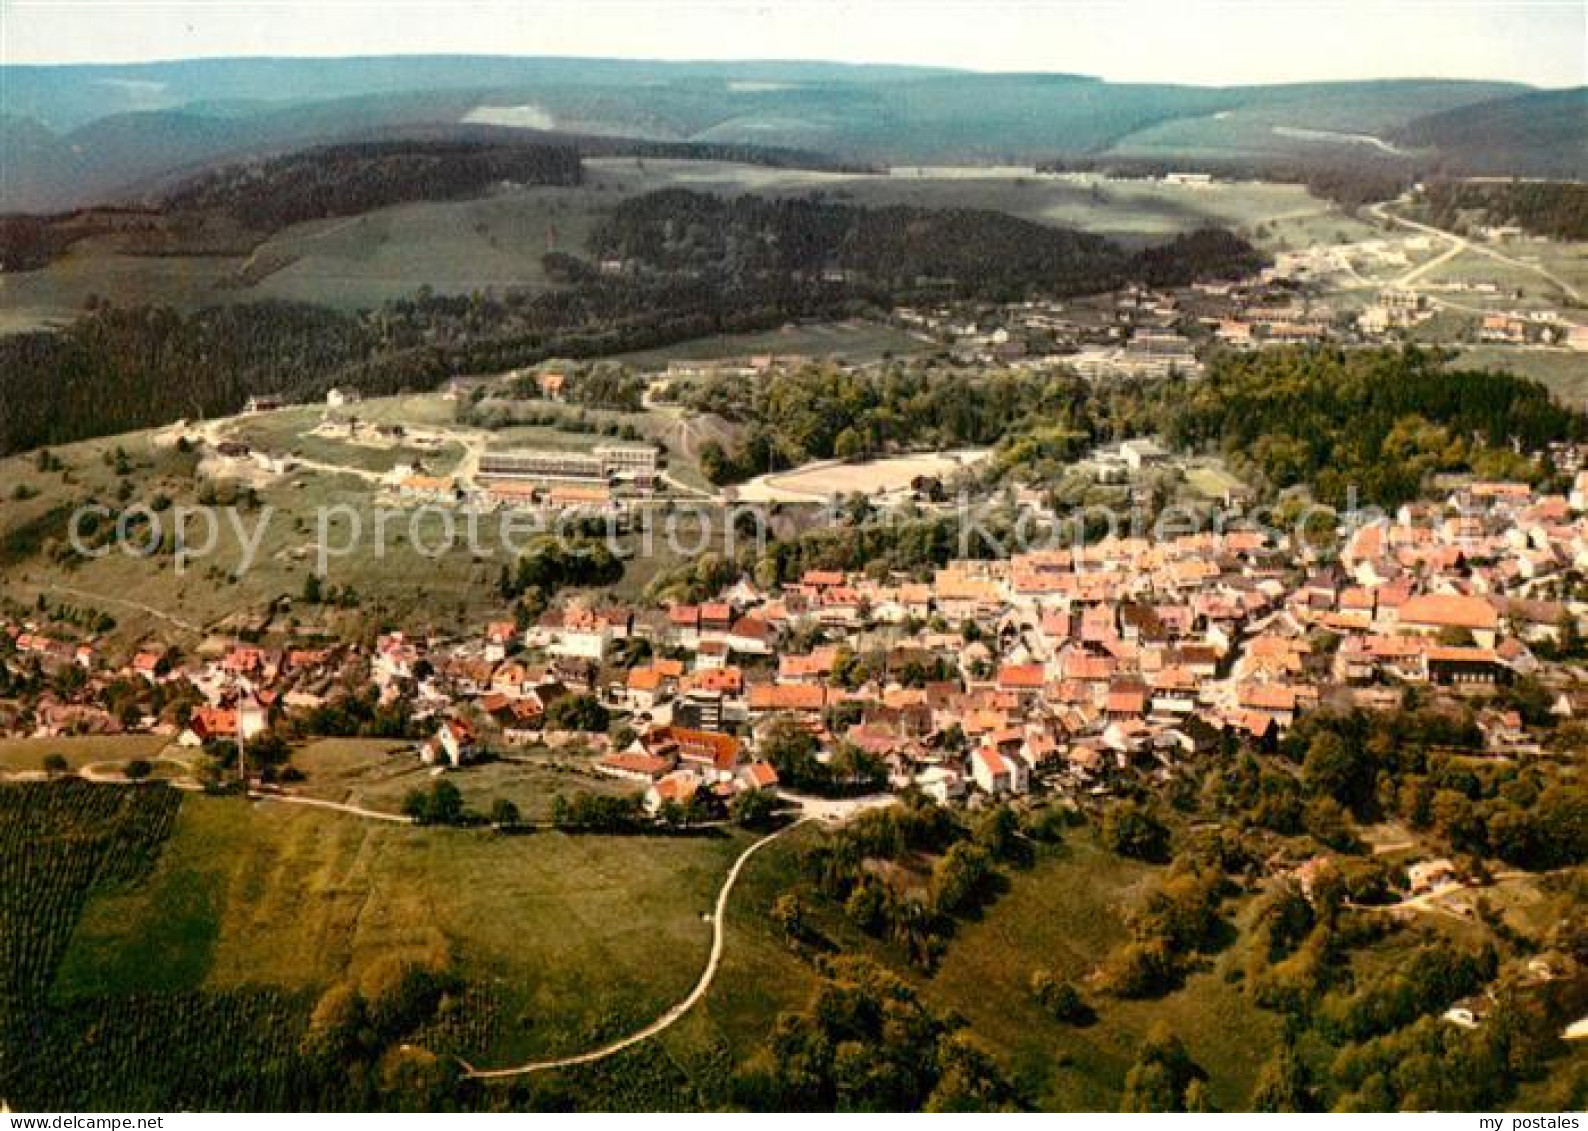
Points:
(996, 775)
(940, 784)
(454, 741)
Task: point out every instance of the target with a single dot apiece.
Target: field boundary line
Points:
(337, 806)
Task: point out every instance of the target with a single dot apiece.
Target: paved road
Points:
(671, 1017)
(837, 810)
(1461, 244)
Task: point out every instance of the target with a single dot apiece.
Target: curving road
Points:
(1461, 244)
(671, 1017)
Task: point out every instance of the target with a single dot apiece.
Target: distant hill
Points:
(37, 168)
(89, 134)
(1538, 134)
(64, 98)
(267, 196)
(1309, 121)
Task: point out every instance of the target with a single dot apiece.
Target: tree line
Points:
(343, 180)
(1555, 209)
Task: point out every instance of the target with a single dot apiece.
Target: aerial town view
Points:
(856, 556)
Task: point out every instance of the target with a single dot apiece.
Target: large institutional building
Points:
(607, 463)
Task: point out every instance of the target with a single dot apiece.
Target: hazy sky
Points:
(1227, 41)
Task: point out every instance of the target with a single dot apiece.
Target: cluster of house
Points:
(1062, 666)
(1139, 332)
(1130, 652)
(1135, 332)
(1541, 327)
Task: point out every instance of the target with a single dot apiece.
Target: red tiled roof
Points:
(1025, 677)
(788, 697)
(1446, 610)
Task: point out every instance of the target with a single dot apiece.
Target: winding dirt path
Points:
(150, 610)
(672, 1016)
(337, 806)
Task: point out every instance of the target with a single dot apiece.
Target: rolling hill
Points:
(1537, 134)
(80, 135)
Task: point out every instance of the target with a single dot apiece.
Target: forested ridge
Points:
(1553, 209)
(901, 247)
(118, 370)
(343, 180)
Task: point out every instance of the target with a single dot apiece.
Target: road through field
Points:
(336, 806)
(1461, 244)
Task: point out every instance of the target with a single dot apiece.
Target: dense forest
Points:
(30, 242)
(344, 180)
(820, 412)
(901, 248)
(1378, 421)
(116, 370)
(230, 209)
(1554, 209)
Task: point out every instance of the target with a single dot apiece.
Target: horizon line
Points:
(938, 69)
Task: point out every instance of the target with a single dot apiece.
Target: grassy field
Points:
(1211, 482)
(150, 597)
(1565, 374)
(34, 299)
(290, 432)
(691, 1064)
(1306, 227)
(27, 755)
(379, 774)
(856, 341)
(1517, 286)
(876, 477)
(1066, 913)
(574, 939)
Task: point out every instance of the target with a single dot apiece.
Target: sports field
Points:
(821, 481)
